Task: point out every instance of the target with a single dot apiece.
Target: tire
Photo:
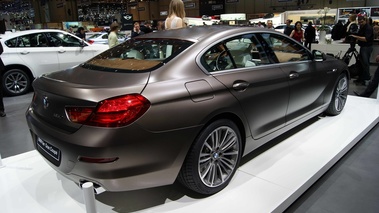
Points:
(16, 82)
(213, 158)
(339, 96)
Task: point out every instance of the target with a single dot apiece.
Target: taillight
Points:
(91, 41)
(79, 114)
(114, 112)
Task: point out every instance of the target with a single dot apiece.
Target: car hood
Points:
(91, 85)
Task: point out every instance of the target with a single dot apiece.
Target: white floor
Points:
(269, 182)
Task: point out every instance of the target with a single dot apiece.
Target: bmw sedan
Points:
(182, 105)
(28, 54)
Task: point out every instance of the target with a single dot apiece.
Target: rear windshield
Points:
(137, 55)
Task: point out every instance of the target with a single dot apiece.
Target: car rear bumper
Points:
(147, 160)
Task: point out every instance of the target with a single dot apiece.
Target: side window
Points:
(259, 55)
(33, 40)
(238, 52)
(284, 49)
(217, 58)
(41, 40)
(12, 42)
(25, 41)
(65, 40)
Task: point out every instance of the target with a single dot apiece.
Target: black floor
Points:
(352, 185)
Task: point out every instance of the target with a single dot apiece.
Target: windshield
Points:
(137, 55)
(95, 36)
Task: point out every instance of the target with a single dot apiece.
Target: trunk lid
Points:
(80, 87)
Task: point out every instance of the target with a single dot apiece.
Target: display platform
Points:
(269, 182)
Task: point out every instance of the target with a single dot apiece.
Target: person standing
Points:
(80, 33)
(3, 26)
(270, 25)
(136, 30)
(146, 27)
(112, 37)
(351, 28)
(365, 40)
(176, 15)
(160, 25)
(288, 29)
(2, 110)
(309, 35)
(70, 30)
(298, 33)
(260, 25)
(376, 30)
(352, 22)
(337, 31)
(373, 83)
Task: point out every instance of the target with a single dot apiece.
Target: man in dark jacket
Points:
(365, 39)
(337, 31)
(288, 29)
(81, 33)
(309, 35)
(136, 30)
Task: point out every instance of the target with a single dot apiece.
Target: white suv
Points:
(28, 54)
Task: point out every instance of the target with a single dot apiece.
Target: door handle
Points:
(24, 52)
(240, 86)
(294, 75)
(62, 51)
(332, 71)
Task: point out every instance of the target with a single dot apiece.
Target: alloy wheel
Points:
(218, 157)
(341, 94)
(16, 82)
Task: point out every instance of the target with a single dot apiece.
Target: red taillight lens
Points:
(91, 41)
(113, 112)
(79, 114)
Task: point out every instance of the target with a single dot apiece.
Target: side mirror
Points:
(318, 55)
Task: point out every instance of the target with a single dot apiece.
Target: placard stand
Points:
(89, 197)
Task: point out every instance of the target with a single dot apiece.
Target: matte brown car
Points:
(183, 105)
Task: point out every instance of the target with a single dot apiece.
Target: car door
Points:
(37, 54)
(307, 78)
(71, 50)
(260, 86)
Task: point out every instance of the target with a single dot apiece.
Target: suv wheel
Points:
(16, 82)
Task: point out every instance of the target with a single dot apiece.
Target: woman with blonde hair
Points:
(176, 15)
